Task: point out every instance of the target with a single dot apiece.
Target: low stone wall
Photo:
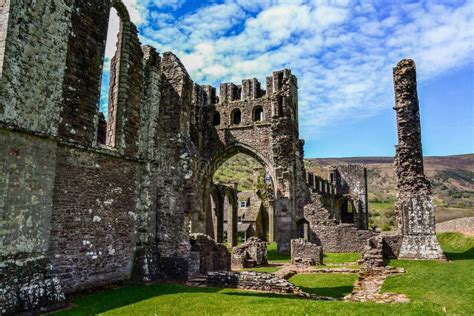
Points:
(306, 253)
(250, 254)
(30, 289)
(249, 280)
(209, 255)
(461, 225)
(341, 238)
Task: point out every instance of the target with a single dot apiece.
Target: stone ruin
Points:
(415, 207)
(250, 254)
(91, 200)
(306, 253)
(210, 255)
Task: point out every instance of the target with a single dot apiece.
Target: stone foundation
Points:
(306, 253)
(249, 280)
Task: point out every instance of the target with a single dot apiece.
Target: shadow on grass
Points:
(336, 292)
(273, 255)
(466, 255)
(111, 299)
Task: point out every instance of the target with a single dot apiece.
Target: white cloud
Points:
(342, 51)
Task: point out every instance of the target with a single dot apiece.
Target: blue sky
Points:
(342, 52)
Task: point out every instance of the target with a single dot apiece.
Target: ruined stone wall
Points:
(254, 281)
(304, 252)
(352, 180)
(341, 238)
(174, 168)
(81, 85)
(31, 97)
(212, 256)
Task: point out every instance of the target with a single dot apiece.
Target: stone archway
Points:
(220, 193)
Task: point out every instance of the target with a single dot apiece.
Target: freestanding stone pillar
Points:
(415, 207)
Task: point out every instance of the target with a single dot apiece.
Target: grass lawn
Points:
(435, 288)
(267, 269)
(274, 256)
(334, 284)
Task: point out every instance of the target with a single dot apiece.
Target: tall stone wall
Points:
(415, 207)
(94, 218)
(31, 97)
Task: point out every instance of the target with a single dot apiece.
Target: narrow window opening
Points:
(280, 106)
(258, 114)
(216, 119)
(107, 103)
(280, 80)
(236, 117)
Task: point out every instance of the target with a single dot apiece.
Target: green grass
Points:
(334, 284)
(383, 206)
(274, 256)
(267, 269)
(433, 287)
(444, 285)
(329, 258)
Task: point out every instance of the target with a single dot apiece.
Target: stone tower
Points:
(415, 207)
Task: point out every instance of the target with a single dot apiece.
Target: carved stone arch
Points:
(121, 10)
(211, 167)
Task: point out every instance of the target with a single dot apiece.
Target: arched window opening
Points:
(107, 103)
(258, 114)
(216, 119)
(280, 106)
(236, 117)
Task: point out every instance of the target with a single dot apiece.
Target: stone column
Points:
(415, 207)
(232, 229)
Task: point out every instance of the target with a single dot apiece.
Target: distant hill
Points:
(452, 178)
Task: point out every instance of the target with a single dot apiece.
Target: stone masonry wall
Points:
(303, 252)
(26, 192)
(81, 85)
(31, 97)
(341, 238)
(250, 254)
(212, 256)
(94, 218)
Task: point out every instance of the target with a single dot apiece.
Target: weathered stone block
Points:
(250, 254)
(304, 252)
(211, 255)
